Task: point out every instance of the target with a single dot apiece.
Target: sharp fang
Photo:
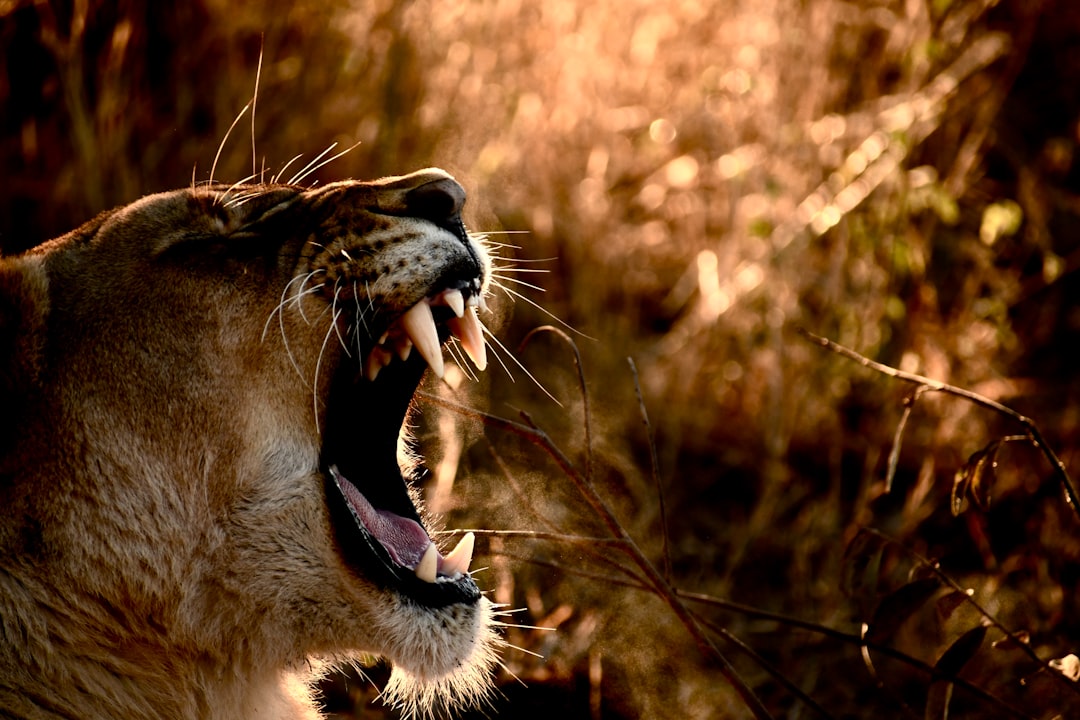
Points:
(460, 557)
(425, 569)
(482, 303)
(468, 331)
(420, 327)
(376, 360)
(456, 301)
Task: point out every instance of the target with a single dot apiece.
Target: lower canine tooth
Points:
(459, 559)
(426, 568)
(419, 325)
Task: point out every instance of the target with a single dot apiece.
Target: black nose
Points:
(439, 201)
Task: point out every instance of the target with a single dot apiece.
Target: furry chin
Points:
(468, 685)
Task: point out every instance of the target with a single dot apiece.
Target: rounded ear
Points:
(24, 309)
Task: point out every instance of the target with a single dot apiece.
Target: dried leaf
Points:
(958, 654)
(972, 481)
(898, 606)
(948, 603)
(1017, 641)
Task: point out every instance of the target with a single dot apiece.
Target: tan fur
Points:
(165, 546)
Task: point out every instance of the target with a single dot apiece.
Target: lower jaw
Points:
(364, 555)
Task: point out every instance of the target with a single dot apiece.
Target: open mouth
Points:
(377, 525)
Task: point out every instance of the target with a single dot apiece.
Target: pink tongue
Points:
(404, 539)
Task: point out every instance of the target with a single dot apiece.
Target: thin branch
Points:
(894, 453)
(852, 639)
(586, 412)
(655, 464)
(767, 666)
(663, 589)
(936, 570)
(638, 583)
(588, 549)
(929, 384)
(534, 535)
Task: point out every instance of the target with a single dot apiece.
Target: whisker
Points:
(516, 281)
(507, 670)
(277, 176)
(371, 298)
(454, 348)
(225, 139)
(243, 199)
(304, 292)
(235, 185)
(294, 299)
(504, 367)
(518, 363)
(521, 649)
(318, 366)
(541, 308)
(516, 260)
(508, 268)
(522, 627)
(254, 101)
(329, 160)
(333, 304)
(360, 317)
(307, 169)
(280, 310)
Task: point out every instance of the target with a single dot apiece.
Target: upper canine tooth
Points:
(419, 325)
(469, 331)
(456, 301)
(426, 568)
(460, 557)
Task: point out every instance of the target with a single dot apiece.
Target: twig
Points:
(638, 582)
(928, 384)
(662, 588)
(894, 453)
(933, 567)
(586, 413)
(655, 465)
(767, 666)
(534, 535)
(856, 640)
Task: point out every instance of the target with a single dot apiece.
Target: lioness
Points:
(200, 402)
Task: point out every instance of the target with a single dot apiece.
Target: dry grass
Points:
(704, 177)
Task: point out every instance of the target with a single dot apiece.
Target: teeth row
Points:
(417, 329)
(454, 564)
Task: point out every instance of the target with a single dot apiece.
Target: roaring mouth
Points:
(377, 526)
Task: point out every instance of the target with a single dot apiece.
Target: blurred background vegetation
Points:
(698, 178)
